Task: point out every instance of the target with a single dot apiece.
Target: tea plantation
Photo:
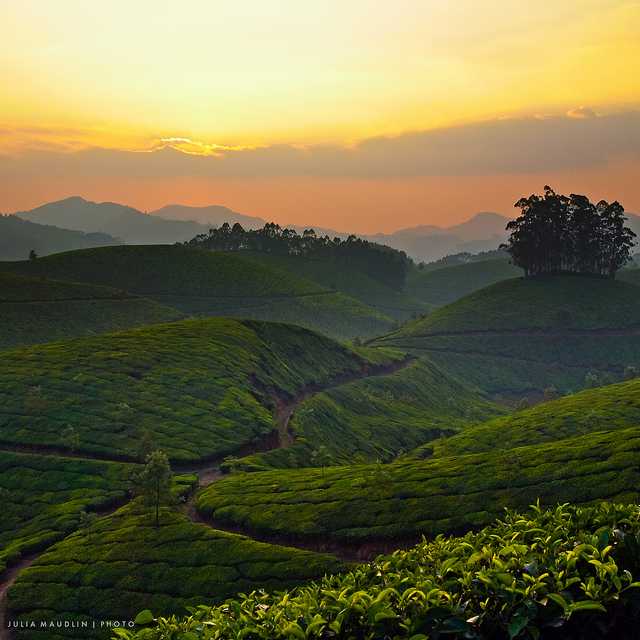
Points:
(570, 573)
(442, 286)
(522, 336)
(199, 388)
(377, 417)
(122, 564)
(203, 282)
(403, 500)
(43, 497)
(36, 310)
(335, 274)
(608, 408)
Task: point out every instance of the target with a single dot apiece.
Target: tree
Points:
(145, 445)
(33, 255)
(569, 234)
(154, 482)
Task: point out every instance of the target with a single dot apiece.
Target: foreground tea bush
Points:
(564, 573)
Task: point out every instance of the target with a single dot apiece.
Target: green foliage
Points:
(45, 497)
(200, 282)
(425, 496)
(201, 388)
(525, 335)
(122, 564)
(443, 286)
(563, 573)
(609, 408)
(36, 310)
(153, 482)
(377, 418)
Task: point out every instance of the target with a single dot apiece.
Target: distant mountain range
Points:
(176, 223)
(18, 237)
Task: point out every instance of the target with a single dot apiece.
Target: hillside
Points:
(18, 237)
(210, 215)
(442, 286)
(607, 408)
(387, 504)
(213, 283)
(126, 223)
(524, 335)
(562, 574)
(350, 281)
(200, 388)
(36, 310)
(376, 418)
(122, 564)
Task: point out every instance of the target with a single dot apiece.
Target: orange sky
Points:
(378, 103)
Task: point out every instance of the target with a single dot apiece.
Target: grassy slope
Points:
(443, 286)
(122, 564)
(377, 418)
(524, 335)
(606, 408)
(334, 275)
(36, 310)
(409, 498)
(42, 497)
(213, 283)
(562, 574)
(201, 387)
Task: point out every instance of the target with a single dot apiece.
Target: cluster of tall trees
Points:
(569, 234)
(383, 263)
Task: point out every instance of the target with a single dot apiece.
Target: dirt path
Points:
(8, 578)
(284, 411)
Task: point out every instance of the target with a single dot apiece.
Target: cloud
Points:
(499, 147)
(581, 113)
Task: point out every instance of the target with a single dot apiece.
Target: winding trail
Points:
(209, 472)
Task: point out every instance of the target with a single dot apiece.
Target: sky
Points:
(358, 115)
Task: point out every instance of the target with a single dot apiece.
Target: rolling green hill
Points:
(442, 286)
(332, 274)
(406, 499)
(606, 408)
(376, 418)
(122, 564)
(201, 388)
(43, 496)
(523, 335)
(563, 574)
(203, 282)
(36, 310)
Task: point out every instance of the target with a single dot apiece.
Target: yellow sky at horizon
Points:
(261, 72)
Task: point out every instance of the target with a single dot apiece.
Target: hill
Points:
(200, 388)
(126, 223)
(607, 408)
(376, 418)
(351, 281)
(213, 283)
(482, 232)
(210, 215)
(37, 310)
(442, 286)
(18, 237)
(122, 564)
(381, 506)
(566, 573)
(523, 335)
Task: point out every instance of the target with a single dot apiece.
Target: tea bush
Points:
(405, 499)
(568, 573)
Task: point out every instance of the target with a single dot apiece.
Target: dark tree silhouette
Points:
(569, 234)
(383, 263)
